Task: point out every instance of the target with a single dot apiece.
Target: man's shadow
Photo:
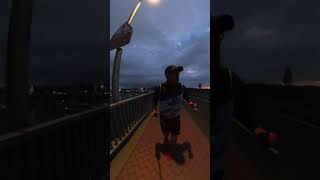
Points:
(176, 152)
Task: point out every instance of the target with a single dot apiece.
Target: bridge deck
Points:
(137, 160)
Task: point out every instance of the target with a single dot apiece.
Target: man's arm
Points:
(186, 97)
(243, 111)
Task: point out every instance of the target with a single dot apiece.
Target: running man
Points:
(230, 99)
(171, 95)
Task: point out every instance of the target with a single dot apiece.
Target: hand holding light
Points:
(193, 105)
(154, 113)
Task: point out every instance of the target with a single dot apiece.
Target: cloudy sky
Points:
(270, 35)
(68, 42)
(173, 32)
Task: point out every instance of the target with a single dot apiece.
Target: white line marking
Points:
(242, 126)
(273, 150)
(311, 125)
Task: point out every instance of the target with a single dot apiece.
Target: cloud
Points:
(170, 33)
(68, 41)
(258, 32)
(270, 35)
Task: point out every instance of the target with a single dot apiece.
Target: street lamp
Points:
(17, 64)
(154, 2)
(134, 12)
(121, 38)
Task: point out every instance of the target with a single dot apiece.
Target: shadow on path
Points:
(176, 153)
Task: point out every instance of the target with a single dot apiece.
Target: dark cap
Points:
(172, 68)
(222, 23)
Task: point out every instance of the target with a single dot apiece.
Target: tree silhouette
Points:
(199, 85)
(287, 77)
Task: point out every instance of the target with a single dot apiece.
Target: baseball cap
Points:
(222, 23)
(171, 68)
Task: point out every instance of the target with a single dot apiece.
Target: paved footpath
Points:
(143, 165)
(238, 167)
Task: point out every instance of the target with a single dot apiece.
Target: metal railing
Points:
(125, 116)
(72, 147)
(199, 94)
(202, 116)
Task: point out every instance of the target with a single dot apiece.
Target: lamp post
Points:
(17, 75)
(119, 39)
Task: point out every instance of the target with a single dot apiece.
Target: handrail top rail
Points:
(37, 128)
(113, 105)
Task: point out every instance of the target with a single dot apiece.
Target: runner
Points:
(230, 99)
(171, 95)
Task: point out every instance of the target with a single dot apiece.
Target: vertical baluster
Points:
(85, 149)
(68, 153)
(91, 148)
(117, 124)
(59, 159)
(130, 104)
(30, 159)
(142, 107)
(138, 108)
(135, 108)
(12, 165)
(125, 117)
(4, 163)
(95, 151)
(52, 155)
(102, 144)
(112, 134)
(75, 138)
(133, 105)
(121, 122)
(36, 148)
(128, 116)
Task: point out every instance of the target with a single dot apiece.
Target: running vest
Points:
(171, 101)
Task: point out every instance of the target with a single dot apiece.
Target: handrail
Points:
(71, 147)
(125, 117)
(113, 105)
(75, 145)
(44, 126)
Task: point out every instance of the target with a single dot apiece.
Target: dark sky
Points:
(270, 35)
(173, 32)
(68, 42)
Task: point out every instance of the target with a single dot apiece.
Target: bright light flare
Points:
(154, 2)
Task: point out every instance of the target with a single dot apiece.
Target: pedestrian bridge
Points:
(77, 146)
(133, 156)
(137, 160)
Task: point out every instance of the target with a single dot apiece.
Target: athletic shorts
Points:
(170, 125)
